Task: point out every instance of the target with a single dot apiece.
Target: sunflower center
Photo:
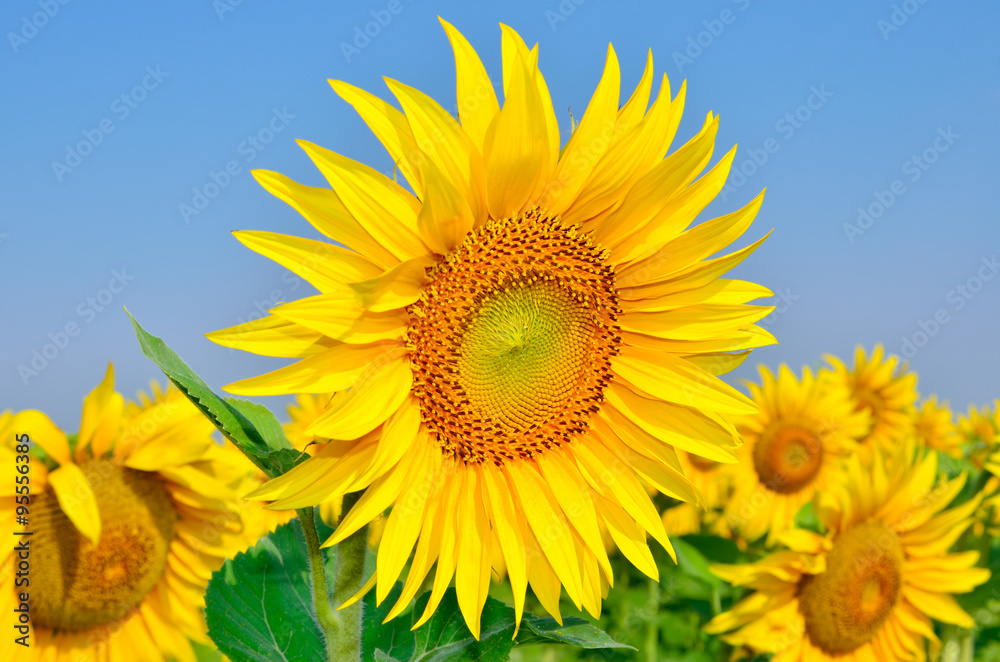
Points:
(787, 458)
(79, 585)
(511, 341)
(845, 606)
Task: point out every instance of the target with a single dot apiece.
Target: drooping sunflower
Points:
(868, 589)
(884, 387)
(935, 427)
(793, 447)
(129, 520)
(519, 344)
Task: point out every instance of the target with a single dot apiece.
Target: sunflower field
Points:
(511, 428)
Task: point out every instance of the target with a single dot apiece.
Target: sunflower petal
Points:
(77, 500)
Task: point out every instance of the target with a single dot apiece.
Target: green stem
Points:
(347, 582)
(652, 630)
(328, 620)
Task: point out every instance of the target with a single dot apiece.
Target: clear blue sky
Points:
(182, 86)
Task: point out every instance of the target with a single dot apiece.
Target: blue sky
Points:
(888, 107)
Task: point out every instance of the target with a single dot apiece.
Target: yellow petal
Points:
(386, 210)
(324, 210)
(509, 527)
(333, 369)
(670, 378)
(272, 336)
(444, 143)
(340, 317)
(477, 101)
(445, 217)
(684, 428)
(472, 575)
(628, 537)
(516, 166)
(396, 288)
(589, 142)
(694, 322)
(76, 499)
(41, 430)
(368, 404)
(391, 128)
(327, 267)
(101, 420)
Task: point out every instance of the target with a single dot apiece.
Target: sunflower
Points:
(518, 346)
(129, 521)
(884, 387)
(714, 483)
(980, 430)
(868, 589)
(793, 448)
(935, 428)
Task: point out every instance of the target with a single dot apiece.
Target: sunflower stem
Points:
(328, 620)
(348, 580)
(652, 613)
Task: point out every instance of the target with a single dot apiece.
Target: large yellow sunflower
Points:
(884, 387)
(868, 589)
(128, 522)
(793, 447)
(519, 344)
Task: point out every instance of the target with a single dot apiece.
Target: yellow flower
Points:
(935, 427)
(980, 429)
(886, 389)
(793, 448)
(129, 521)
(868, 588)
(519, 344)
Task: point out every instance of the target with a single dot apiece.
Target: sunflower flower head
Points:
(869, 587)
(934, 425)
(793, 447)
(885, 388)
(134, 515)
(518, 343)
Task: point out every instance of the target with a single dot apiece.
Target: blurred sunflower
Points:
(518, 344)
(714, 483)
(133, 514)
(869, 588)
(979, 429)
(935, 428)
(794, 446)
(884, 387)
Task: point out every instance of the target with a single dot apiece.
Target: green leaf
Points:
(806, 519)
(714, 548)
(693, 563)
(574, 631)
(259, 605)
(263, 421)
(235, 419)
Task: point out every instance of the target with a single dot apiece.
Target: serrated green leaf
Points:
(445, 638)
(228, 415)
(259, 605)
